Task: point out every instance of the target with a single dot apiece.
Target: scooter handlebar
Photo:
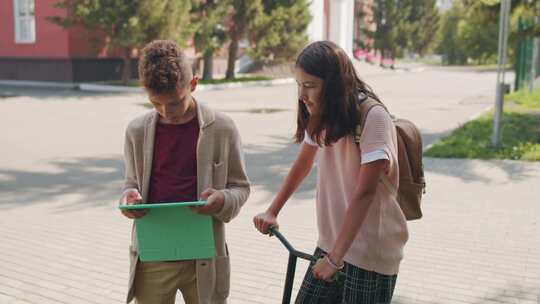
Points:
(290, 248)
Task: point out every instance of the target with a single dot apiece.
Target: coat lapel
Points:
(206, 117)
(149, 139)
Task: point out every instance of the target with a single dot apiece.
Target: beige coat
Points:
(220, 165)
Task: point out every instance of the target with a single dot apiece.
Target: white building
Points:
(333, 20)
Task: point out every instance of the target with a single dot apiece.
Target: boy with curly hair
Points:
(181, 151)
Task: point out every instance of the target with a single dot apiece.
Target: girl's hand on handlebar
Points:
(323, 270)
(263, 221)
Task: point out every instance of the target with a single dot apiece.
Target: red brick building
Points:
(33, 48)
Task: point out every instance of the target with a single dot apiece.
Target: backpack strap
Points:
(365, 105)
(363, 108)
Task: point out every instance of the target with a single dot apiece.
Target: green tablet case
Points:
(171, 231)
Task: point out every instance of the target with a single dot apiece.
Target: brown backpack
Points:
(411, 170)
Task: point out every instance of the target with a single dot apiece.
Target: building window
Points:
(25, 21)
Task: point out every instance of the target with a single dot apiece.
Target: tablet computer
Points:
(161, 205)
(172, 231)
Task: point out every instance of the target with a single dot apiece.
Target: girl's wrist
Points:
(273, 210)
(336, 263)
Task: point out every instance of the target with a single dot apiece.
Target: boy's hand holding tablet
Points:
(215, 201)
(132, 197)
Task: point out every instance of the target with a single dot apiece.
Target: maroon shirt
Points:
(174, 165)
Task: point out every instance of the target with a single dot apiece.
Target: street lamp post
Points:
(501, 64)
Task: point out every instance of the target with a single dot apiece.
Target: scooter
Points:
(291, 265)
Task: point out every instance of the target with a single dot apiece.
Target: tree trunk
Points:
(231, 62)
(195, 66)
(126, 68)
(208, 70)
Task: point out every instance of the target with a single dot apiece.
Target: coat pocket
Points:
(223, 274)
(219, 176)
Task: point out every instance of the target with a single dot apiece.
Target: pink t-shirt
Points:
(379, 244)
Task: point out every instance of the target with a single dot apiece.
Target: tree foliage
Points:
(207, 17)
(470, 29)
(449, 45)
(244, 16)
(127, 25)
(422, 24)
(281, 32)
(403, 25)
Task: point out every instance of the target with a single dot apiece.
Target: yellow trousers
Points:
(158, 282)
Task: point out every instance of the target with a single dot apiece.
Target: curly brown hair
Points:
(163, 67)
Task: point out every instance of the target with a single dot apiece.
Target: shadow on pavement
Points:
(468, 170)
(95, 180)
(514, 293)
(267, 168)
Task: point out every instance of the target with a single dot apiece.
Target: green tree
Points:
(470, 29)
(528, 11)
(478, 32)
(245, 15)
(126, 24)
(449, 44)
(165, 19)
(281, 31)
(270, 5)
(390, 34)
(403, 25)
(423, 23)
(210, 34)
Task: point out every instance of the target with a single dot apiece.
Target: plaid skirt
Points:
(354, 286)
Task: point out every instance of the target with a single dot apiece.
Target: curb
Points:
(202, 87)
(471, 118)
(91, 87)
(255, 83)
(40, 84)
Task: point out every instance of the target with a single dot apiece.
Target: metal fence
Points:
(527, 60)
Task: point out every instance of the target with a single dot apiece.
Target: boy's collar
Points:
(205, 115)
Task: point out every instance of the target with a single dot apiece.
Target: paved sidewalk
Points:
(478, 243)
(64, 242)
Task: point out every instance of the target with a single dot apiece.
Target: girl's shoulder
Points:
(377, 119)
(378, 113)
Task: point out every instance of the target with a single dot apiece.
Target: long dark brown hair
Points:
(342, 87)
